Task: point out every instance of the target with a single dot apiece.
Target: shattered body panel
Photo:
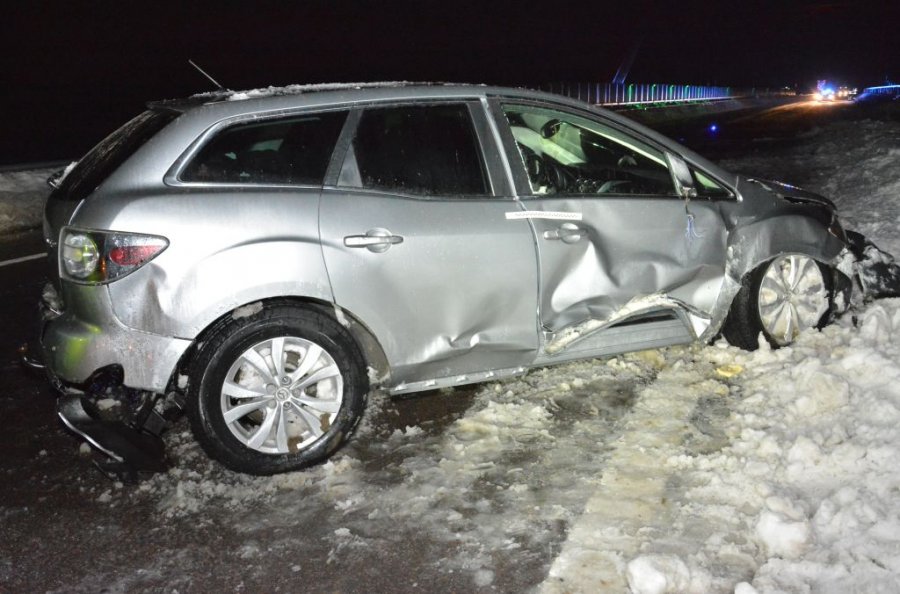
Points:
(205, 275)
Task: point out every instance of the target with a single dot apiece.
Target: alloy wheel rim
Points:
(792, 297)
(281, 395)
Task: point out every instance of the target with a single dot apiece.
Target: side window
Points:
(422, 149)
(293, 150)
(570, 155)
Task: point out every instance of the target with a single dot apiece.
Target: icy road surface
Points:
(690, 470)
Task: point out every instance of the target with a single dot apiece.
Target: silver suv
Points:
(262, 259)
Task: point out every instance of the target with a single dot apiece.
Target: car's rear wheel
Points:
(277, 390)
(781, 298)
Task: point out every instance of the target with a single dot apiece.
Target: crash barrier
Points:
(882, 91)
(634, 93)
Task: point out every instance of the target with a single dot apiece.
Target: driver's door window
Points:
(565, 154)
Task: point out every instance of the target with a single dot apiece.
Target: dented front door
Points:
(613, 237)
(622, 249)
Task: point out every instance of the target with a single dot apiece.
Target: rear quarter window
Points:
(99, 163)
(294, 151)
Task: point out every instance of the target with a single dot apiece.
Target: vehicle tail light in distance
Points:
(96, 257)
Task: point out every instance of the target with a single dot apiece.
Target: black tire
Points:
(291, 440)
(743, 325)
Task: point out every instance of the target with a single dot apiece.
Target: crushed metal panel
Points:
(628, 246)
(227, 248)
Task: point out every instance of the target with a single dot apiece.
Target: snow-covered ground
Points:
(22, 195)
(691, 469)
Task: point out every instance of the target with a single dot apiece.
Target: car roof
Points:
(275, 98)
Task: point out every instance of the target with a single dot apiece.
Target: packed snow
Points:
(696, 469)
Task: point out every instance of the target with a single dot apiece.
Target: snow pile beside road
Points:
(804, 496)
(22, 196)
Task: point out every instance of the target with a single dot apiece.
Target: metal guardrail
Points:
(635, 93)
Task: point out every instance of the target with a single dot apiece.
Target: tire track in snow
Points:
(636, 499)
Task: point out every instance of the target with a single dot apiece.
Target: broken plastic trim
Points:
(133, 446)
(879, 274)
(28, 360)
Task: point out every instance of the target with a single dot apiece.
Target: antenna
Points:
(204, 73)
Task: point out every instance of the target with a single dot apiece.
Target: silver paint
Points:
(281, 394)
(792, 297)
(443, 291)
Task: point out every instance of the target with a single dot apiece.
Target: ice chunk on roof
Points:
(298, 89)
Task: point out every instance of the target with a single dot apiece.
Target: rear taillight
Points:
(95, 257)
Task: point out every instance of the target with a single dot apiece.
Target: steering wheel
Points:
(557, 177)
(534, 166)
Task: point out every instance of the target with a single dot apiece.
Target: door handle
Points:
(375, 240)
(567, 233)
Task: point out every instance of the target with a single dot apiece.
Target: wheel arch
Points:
(752, 245)
(369, 345)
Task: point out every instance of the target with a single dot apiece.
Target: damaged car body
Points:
(261, 260)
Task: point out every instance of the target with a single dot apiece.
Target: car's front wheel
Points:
(277, 390)
(780, 299)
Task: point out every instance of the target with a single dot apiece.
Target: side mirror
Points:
(681, 176)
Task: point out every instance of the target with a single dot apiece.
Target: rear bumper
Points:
(77, 359)
(77, 342)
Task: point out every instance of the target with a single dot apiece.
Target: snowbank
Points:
(22, 196)
(795, 490)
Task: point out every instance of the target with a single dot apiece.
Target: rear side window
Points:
(110, 153)
(426, 149)
(293, 150)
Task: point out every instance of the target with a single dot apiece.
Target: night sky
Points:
(73, 71)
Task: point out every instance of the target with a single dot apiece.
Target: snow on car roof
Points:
(299, 89)
(227, 95)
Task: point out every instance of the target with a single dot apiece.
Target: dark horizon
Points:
(76, 71)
